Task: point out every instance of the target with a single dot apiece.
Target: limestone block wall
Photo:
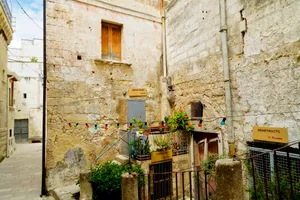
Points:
(3, 98)
(194, 56)
(82, 90)
(264, 62)
(266, 74)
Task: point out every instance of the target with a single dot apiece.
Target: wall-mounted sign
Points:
(158, 156)
(137, 92)
(270, 134)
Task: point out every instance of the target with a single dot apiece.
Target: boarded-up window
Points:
(196, 109)
(111, 41)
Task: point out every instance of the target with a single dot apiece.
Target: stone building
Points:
(98, 52)
(27, 62)
(6, 33)
(263, 55)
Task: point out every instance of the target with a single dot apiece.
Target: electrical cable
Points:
(28, 15)
(20, 60)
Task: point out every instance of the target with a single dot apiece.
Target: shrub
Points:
(106, 179)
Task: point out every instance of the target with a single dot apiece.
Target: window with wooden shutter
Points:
(111, 41)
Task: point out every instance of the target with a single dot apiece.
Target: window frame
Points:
(110, 41)
(11, 93)
(197, 109)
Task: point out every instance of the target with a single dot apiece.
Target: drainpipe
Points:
(192, 159)
(163, 22)
(227, 84)
(164, 80)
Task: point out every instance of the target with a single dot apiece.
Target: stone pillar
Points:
(229, 180)
(130, 186)
(86, 190)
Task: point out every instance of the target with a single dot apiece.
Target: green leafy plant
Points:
(163, 143)
(137, 123)
(106, 179)
(34, 59)
(208, 164)
(179, 120)
(138, 148)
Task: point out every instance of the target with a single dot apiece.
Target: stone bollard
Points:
(229, 180)
(86, 190)
(130, 186)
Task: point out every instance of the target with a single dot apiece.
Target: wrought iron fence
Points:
(185, 185)
(274, 173)
(7, 10)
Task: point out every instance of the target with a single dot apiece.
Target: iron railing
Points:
(274, 174)
(7, 10)
(184, 185)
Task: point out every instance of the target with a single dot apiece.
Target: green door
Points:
(21, 131)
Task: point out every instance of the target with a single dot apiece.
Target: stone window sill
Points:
(12, 108)
(111, 62)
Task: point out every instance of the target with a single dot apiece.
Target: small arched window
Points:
(197, 110)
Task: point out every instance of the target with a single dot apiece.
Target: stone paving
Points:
(20, 174)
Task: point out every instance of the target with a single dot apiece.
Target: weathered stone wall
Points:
(266, 77)
(3, 98)
(80, 91)
(264, 62)
(194, 56)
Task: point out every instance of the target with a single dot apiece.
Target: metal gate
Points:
(21, 130)
(162, 180)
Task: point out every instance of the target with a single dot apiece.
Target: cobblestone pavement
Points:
(20, 174)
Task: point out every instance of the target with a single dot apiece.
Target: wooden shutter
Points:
(105, 42)
(116, 43)
(111, 41)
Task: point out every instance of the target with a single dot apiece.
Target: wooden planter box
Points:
(156, 130)
(158, 156)
(143, 157)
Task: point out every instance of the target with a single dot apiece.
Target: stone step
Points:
(47, 198)
(70, 192)
(123, 159)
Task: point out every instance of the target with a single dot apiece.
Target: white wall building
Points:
(27, 62)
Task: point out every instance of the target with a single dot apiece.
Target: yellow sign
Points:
(137, 92)
(158, 156)
(270, 134)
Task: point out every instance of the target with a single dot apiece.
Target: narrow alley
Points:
(20, 174)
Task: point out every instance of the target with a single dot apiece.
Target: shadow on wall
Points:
(67, 172)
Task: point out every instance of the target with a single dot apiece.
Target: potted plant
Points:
(140, 149)
(179, 120)
(163, 149)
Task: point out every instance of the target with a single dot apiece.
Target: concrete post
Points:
(130, 186)
(229, 180)
(86, 190)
